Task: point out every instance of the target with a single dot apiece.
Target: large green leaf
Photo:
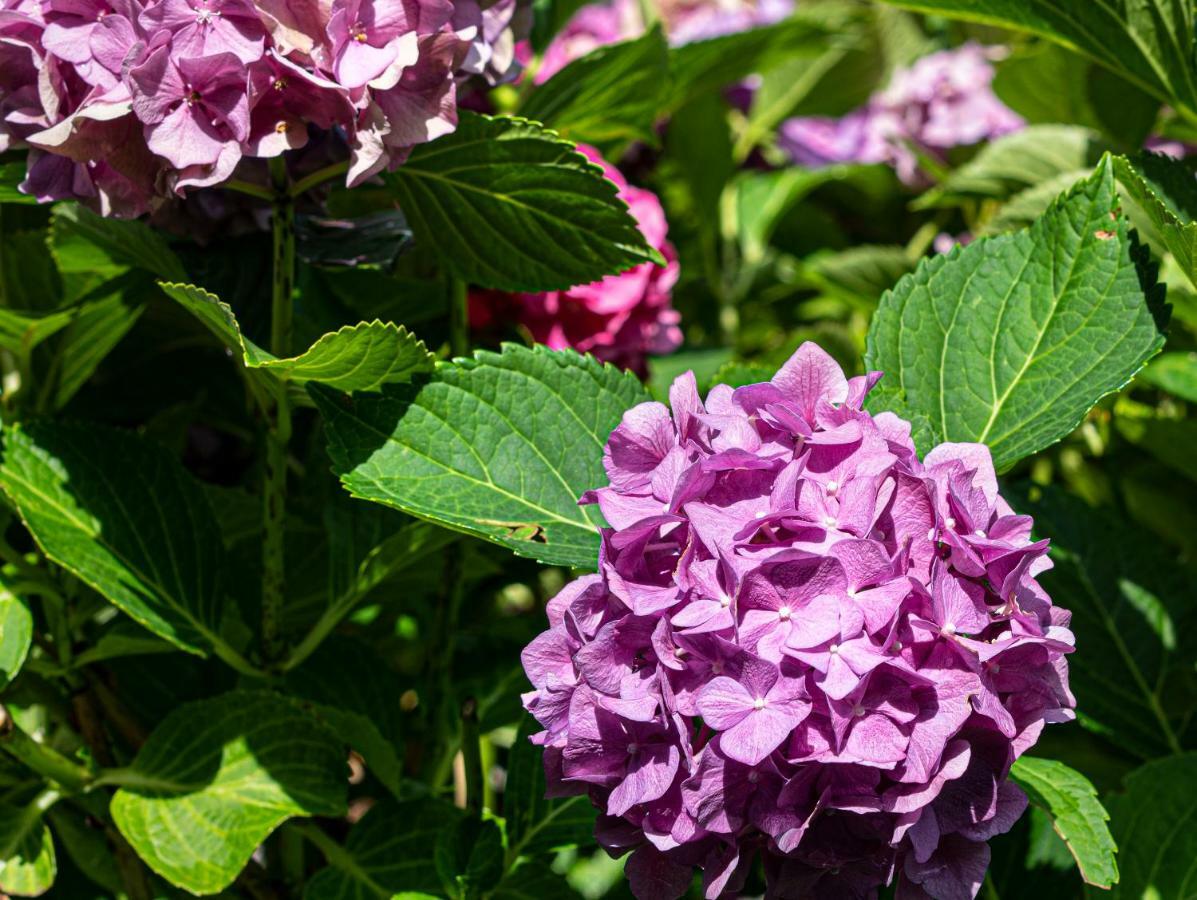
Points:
(1147, 42)
(11, 175)
(507, 204)
(1077, 815)
(388, 853)
(116, 242)
(92, 333)
(501, 446)
(1165, 192)
(1152, 822)
(360, 357)
(27, 861)
(122, 514)
(534, 880)
(535, 823)
(16, 633)
(607, 98)
(1130, 602)
(1011, 340)
(217, 776)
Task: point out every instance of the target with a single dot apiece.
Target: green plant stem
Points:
(471, 754)
(290, 857)
(459, 318)
(248, 187)
(318, 177)
(278, 429)
(48, 763)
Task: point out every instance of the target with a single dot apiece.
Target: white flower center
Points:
(980, 532)
(834, 649)
(760, 703)
(949, 628)
(717, 667)
(858, 710)
(950, 522)
(829, 521)
(833, 487)
(784, 613)
(633, 748)
(725, 601)
(931, 534)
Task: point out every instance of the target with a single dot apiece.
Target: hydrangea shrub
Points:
(342, 342)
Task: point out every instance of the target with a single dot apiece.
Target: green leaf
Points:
(549, 17)
(500, 446)
(535, 823)
(87, 846)
(29, 279)
(16, 633)
(861, 273)
(1168, 438)
(21, 331)
(763, 199)
(1152, 821)
(11, 175)
(389, 852)
(712, 65)
(217, 776)
(608, 98)
(1165, 192)
(123, 638)
(1018, 161)
(90, 336)
(218, 317)
(737, 374)
(122, 515)
(1021, 210)
(504, 203)
(469, 857)
(117, 242)
(1175, 373)
(994, 342)
(1077, 815)
(27, 861)
(1147, 42)
(1129, 602)
(355, 693)
(1083, 93)
(361, 357)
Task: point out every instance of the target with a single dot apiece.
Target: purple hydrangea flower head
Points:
(944, 100)
(803, 644)
(199, 85)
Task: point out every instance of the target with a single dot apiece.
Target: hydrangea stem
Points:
(278, 430)
(48, 763)
(459, 318)
(471, 755)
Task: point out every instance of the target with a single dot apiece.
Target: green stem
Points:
(318, 177)
(278, 430)
(48, 763)
(248, 187)
(471, 754)
(459, 318)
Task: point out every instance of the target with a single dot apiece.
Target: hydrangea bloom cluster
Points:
(123, 100)
(622, 318)
(802, 643)
(598, 24)
(944, 100)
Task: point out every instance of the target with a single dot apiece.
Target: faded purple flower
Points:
(801, 642)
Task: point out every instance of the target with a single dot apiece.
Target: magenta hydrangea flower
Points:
(803, 644)
(944, 100)
(123, 102)
(621, 319)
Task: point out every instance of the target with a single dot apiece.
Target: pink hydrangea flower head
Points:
(944, 100)
(621, 319)
(802, 644)
(594, 25)
(207, 83)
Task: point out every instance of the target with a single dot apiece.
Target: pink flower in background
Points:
(621, 319)
(594, 25)
(196, 86)
(803, 643)
(944, 100)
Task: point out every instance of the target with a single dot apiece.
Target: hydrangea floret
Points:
(622, 318)
(943, 100)
(803, 644)
(125, 101)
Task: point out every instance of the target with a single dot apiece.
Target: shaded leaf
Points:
(217, 776)
(1175, 373)
(389, 852)
(16, 633)
(1165, 191)
(119, 242)
(1152, 821)
(27, 861)
(122, 514)
(536, 824)
(500, 446)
